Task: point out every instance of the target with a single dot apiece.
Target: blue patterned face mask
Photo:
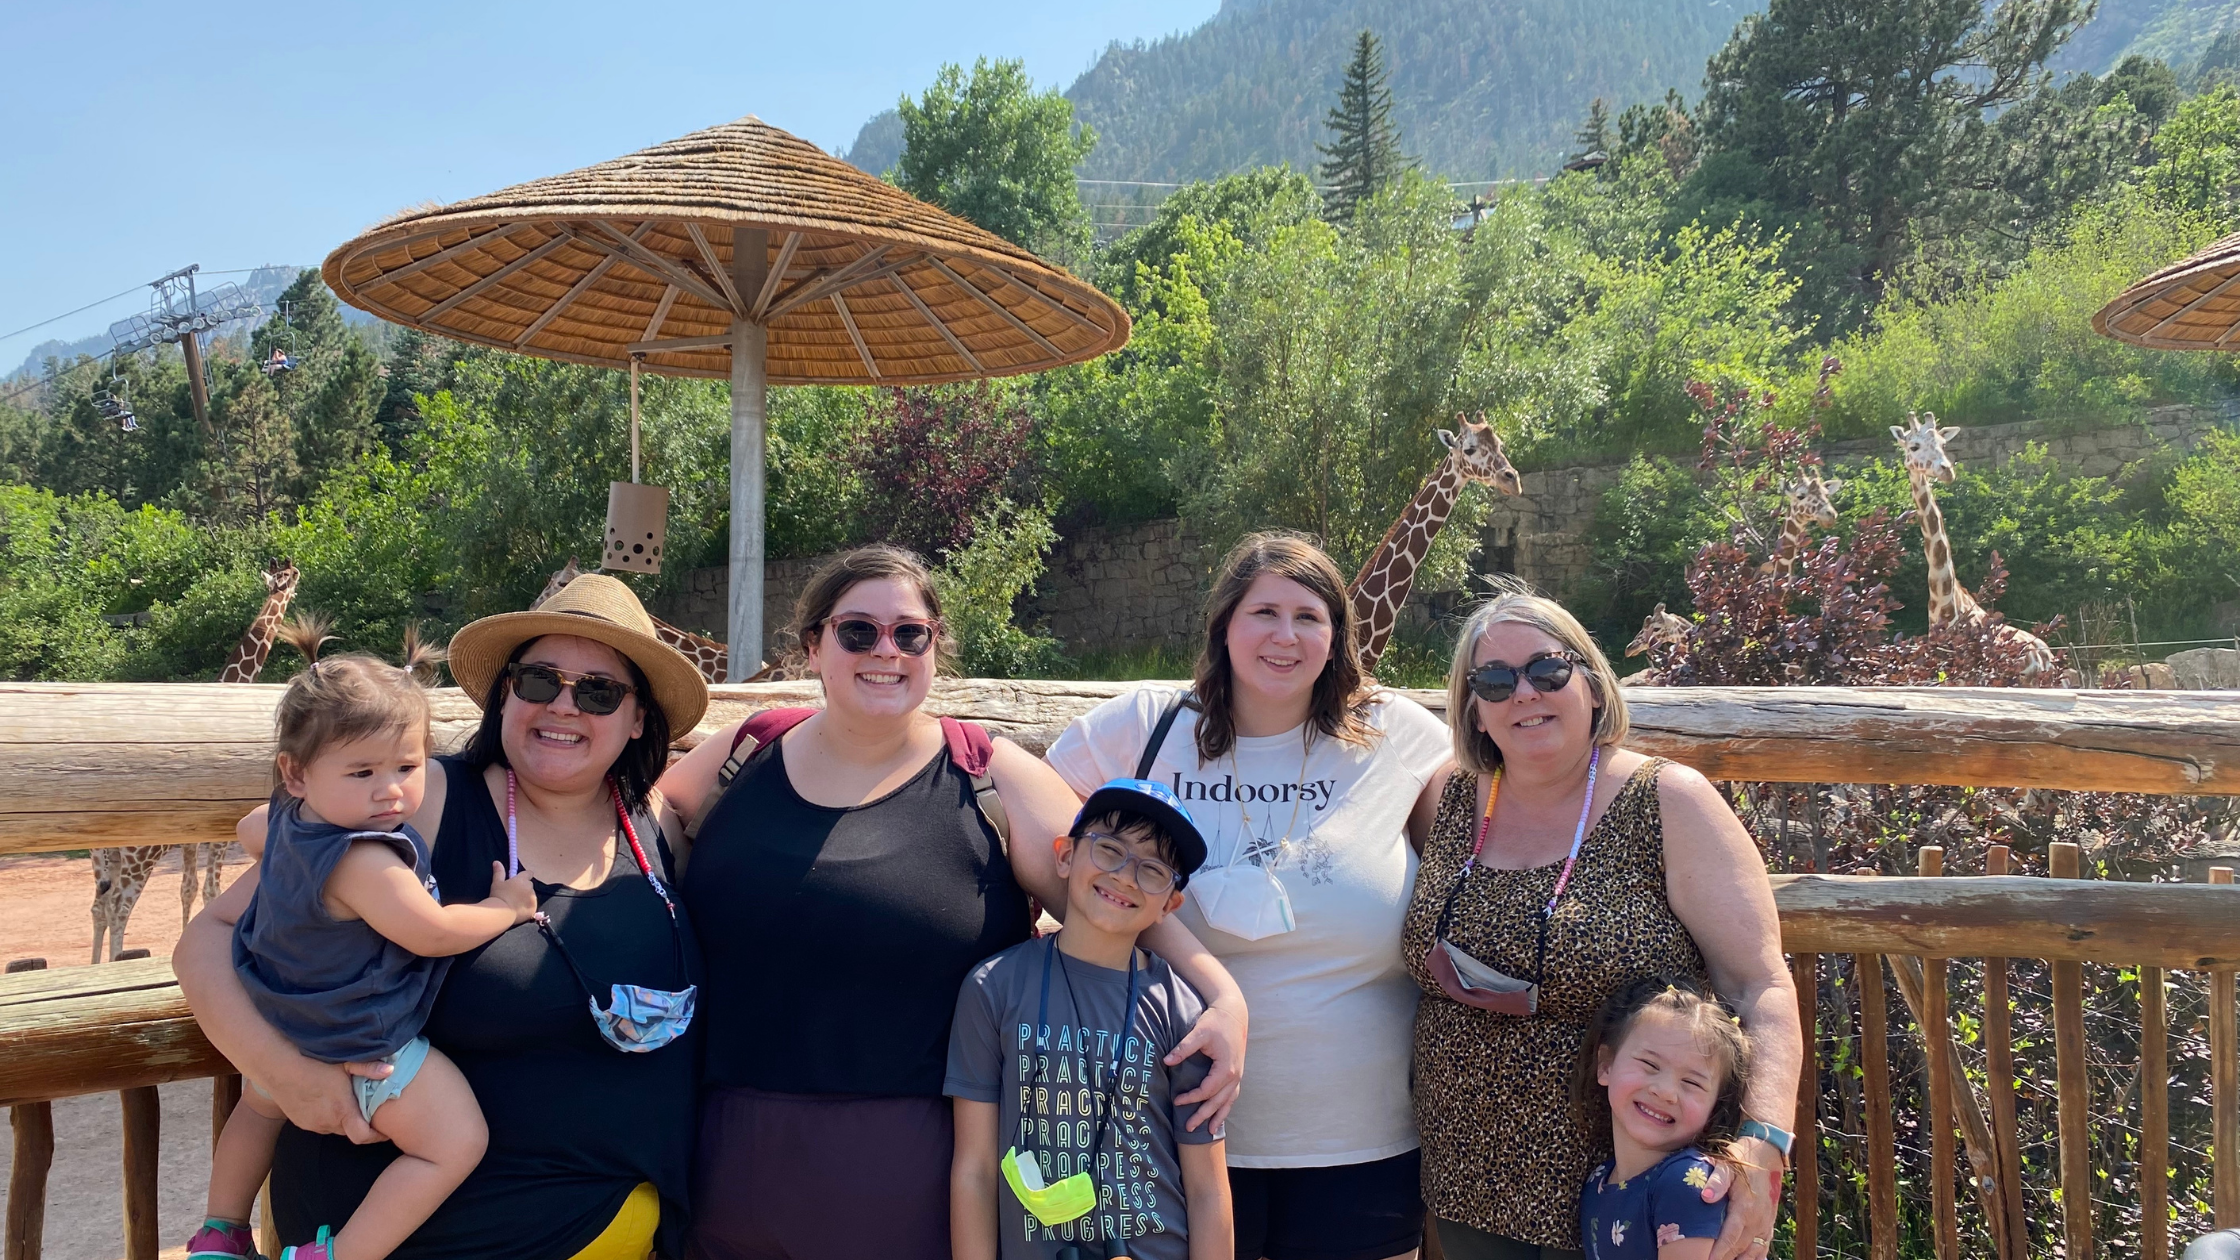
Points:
(641, 1019)
(636, 1019)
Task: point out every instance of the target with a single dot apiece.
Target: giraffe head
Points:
(1923, 444)
(1659, 627)
(280, 578)
(1478, 455)
(1809, 499)
(569, 572)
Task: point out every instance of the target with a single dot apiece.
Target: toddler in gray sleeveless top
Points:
(343, 946)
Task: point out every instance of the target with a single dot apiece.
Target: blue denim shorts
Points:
(403, 1065)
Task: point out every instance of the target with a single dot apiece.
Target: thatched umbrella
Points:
(2192, 304)
(741, 252)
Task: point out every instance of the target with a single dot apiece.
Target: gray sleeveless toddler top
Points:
(340, 991)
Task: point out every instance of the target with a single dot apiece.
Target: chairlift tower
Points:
(178, 313)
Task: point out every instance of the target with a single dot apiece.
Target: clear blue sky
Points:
(149, 136)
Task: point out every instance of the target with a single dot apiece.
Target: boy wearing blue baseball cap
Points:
(1069, 1145)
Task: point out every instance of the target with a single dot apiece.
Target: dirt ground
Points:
(45, 904)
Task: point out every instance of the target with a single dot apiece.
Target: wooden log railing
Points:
(118, 764)
(85, 765)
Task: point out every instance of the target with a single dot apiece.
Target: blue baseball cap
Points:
(1156, 801)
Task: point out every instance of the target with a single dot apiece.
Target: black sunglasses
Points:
(541, 684)
(858, 635)
(1495, 682)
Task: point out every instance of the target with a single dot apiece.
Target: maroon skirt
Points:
(821, 1177)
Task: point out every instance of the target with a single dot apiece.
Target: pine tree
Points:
(1364, 151)
(1594, 134)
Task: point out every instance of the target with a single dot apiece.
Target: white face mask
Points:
(1243, 900)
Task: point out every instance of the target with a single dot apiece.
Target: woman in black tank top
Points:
(842, 887)
(589, 1147)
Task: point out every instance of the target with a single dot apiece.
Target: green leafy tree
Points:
(980, 584)
(2196, 163)
(1873, 118)
(997, 152)
(333, 392)
(1363, 155)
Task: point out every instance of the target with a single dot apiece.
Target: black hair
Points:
(635, 771)
(1119, 821)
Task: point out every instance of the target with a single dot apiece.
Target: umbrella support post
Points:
(750, 394)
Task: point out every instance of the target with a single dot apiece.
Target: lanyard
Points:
(637, 851)
(1563, 881)
(1127, 1026)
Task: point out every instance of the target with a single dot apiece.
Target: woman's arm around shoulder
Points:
(688, 786)
(1716, 882)
(1426, 811)
(1041, 808)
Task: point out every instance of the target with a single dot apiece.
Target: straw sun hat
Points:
(595, 607)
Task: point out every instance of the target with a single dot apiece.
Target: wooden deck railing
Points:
(117, 764)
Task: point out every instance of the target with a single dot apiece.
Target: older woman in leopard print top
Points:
(1664, 880)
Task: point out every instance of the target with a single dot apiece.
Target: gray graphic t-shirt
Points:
(1051, 1079)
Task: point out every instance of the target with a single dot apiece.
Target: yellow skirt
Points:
(629, 1236)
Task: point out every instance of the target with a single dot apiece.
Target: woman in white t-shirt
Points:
(1314, 790)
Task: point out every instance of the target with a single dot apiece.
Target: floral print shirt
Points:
(1631, 1219)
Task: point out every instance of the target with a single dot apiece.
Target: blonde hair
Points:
(348, 697)
(1474, 750)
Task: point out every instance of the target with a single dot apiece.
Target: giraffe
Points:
(1658, 629)
(120, 874)
(1949, 602)
(1807, 501)
(1379, 590)
(711, 658)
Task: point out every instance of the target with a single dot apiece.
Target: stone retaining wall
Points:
(1109, 588)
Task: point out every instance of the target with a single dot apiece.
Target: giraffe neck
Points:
(1381, 588)
(1947, 601)
(1794, 531)
(711, 658)
(249, 654)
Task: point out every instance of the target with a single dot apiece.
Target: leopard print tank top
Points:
(1502, 1149)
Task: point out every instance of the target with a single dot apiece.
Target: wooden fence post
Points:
(2224, 1090)
(1998, 1039)
(1804, 1155)
(2154, 1117)
(1882, 1142)
(2075, 1096)
(143, 1131)
(33, 1126)
(1936, 1030)
(225, 1092)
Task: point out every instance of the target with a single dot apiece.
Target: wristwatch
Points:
(1779, 1139)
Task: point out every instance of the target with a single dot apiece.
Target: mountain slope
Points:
(1481, 88)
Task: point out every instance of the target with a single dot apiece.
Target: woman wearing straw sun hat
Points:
(590, 1115)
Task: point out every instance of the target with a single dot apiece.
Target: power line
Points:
(236, 271)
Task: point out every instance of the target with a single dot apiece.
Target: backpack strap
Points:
(972, 749)
(754, 734)
(1159, 733)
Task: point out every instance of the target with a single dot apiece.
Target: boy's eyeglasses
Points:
(596, 694)
(1110, 854)
(911, 636)
(1495, 682)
